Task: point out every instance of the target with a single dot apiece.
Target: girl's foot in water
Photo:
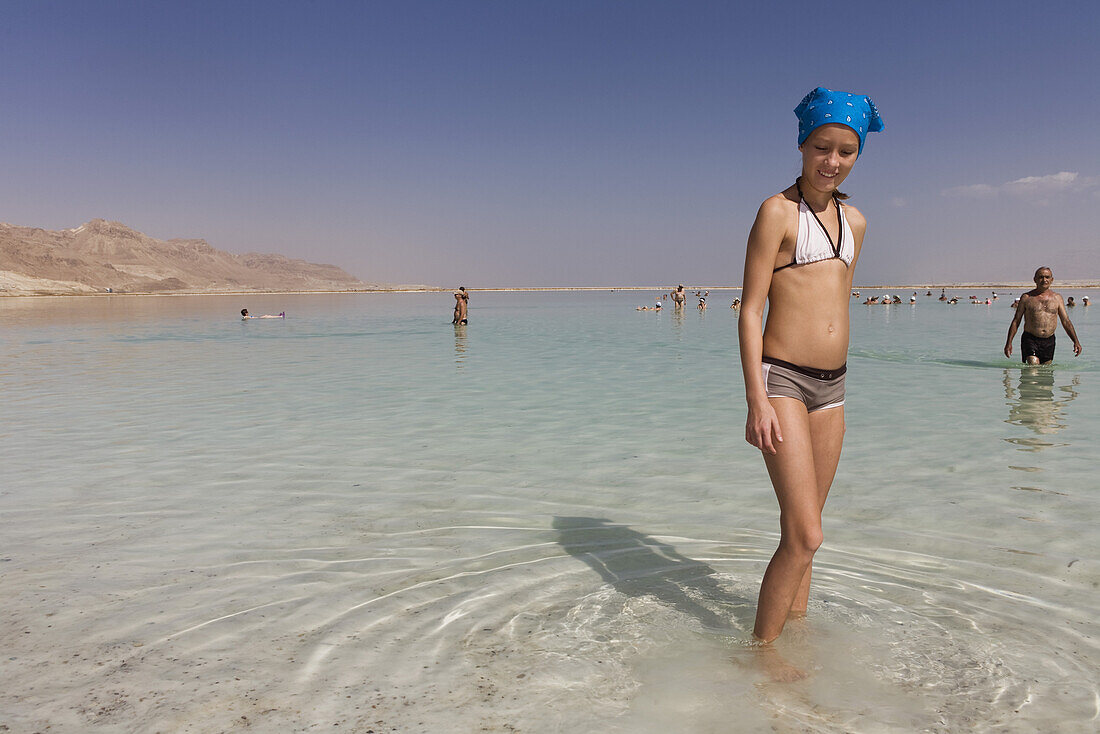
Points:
(776, 666)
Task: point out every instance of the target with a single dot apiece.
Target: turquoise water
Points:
(364, 518)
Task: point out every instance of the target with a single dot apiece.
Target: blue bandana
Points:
(823, 106)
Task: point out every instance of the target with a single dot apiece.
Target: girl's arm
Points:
(762, 426)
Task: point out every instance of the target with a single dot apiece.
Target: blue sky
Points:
(554, 143)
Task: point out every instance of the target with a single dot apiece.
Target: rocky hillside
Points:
(102, 255)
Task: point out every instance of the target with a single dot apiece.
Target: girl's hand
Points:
(762, 427)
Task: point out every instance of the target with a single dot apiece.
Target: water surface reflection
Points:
(460, 345)
(1036, 402)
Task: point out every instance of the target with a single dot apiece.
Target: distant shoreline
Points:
(184, 294)
(1083, 284)
(920, 286)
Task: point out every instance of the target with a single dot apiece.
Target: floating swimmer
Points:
(245, 315)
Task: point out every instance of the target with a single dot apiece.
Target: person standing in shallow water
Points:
(462, 303)
(1040, 309)
(800, 259)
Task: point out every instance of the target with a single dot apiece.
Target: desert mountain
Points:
(103, 255)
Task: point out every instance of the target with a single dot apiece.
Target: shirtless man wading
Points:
(1040, 309)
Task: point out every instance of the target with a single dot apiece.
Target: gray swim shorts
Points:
(817, 389)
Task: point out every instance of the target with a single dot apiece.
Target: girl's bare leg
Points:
(794, 479)
(827, 437)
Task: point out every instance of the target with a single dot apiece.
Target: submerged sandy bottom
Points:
(361, 519)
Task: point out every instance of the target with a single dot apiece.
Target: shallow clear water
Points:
(548, 520)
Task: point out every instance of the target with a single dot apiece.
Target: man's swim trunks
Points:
(817, 389)
(1037, 346)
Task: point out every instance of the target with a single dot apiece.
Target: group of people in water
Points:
(679, 298)
(1041, 311)
(887, 299)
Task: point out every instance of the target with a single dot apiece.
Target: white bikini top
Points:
(813, 242)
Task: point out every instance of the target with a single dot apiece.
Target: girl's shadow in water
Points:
(638, 565)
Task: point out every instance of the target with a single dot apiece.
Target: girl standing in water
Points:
(801, 255)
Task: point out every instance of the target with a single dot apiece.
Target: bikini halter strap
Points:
(840, 223)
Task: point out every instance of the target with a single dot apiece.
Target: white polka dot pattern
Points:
(811, 113)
